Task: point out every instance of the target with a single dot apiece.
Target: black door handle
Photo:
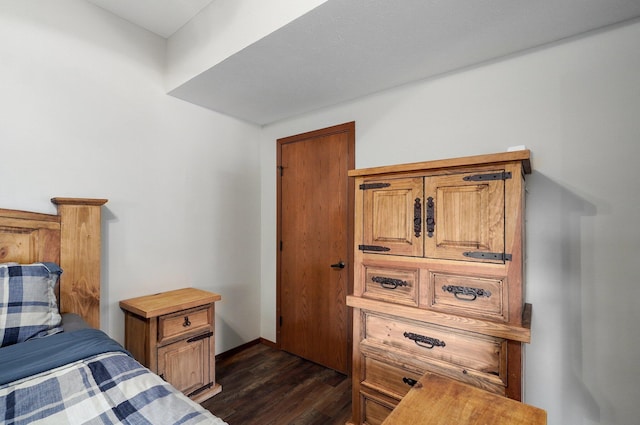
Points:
(339, 265)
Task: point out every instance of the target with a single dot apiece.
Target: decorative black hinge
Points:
(199, 337)
(365, 186)
(503, 175)
(373, 248)
(201, 389)
(500, 256)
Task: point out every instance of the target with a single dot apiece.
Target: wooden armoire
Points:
(438, 278)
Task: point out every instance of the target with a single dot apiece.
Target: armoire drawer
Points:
(472, 296)
(391, 283)
(482, 353)
(388, 378)
(375, 407)
(405, 361)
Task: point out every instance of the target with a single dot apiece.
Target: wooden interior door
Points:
(315, 222)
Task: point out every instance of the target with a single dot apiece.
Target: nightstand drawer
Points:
(183, 323)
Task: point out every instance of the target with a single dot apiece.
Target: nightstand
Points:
(173, 334)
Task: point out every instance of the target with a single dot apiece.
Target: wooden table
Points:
(436, 400)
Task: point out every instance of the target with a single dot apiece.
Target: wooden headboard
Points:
(71, 239)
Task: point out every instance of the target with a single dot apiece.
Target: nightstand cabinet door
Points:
(185, 364)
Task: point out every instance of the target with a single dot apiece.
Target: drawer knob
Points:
(389, 283)
(424, 341)
(466, 293)
(410, 382)
(186, 323)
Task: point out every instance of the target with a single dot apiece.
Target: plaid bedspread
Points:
(109, 388)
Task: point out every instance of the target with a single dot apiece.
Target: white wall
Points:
(576, 105)
(83, 113)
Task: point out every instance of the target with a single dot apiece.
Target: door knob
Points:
(339, 265)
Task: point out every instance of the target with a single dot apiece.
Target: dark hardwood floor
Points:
(262, 385)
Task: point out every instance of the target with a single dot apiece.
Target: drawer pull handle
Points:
(410, 382)
(431, 222)
(186, 323)
(389, 283)
(417, 217)
(424, 341)
(466, 293)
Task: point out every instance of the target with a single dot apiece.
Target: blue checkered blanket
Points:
(105, 388)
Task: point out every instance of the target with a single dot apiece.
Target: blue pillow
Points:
(28, 306)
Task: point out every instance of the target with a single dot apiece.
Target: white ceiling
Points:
(163, 17)
(345, 49)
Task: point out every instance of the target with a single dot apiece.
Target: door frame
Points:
(349, 128)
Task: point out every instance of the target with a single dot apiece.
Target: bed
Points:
(56, 366)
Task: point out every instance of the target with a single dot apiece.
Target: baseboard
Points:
(243, 347)
(268, 343)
